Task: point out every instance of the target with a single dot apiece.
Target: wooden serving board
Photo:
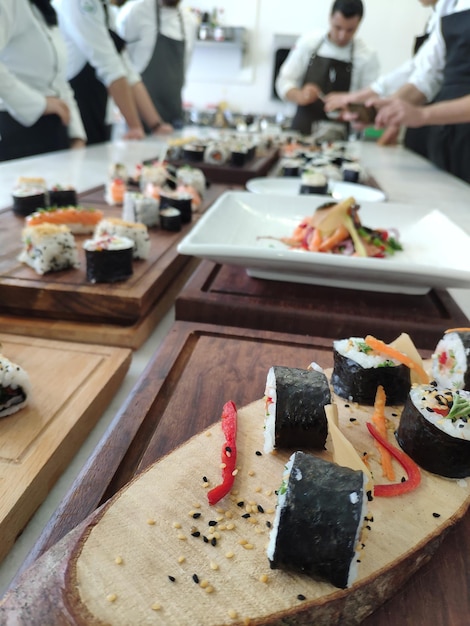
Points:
(67, 295)
(181, 393)
(228, 174)
(71, 386)
(225, 294)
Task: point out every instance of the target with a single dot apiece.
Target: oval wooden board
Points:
(119, 571)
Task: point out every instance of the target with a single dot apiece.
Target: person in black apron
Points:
(325, 74)
(49, 133)
(164, 75)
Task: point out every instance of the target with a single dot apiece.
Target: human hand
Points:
(136, 132)
(76, 143)
(394, 112)
(389, 137)
(337, 100)
(56, 106)
(309, 93)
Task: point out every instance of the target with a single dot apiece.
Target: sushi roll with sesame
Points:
(319, 519)
(79, 220)
(140, 208)
(358, 370)
(15, 387)
(295, 415)
(135, 231)
(48, 248)
(451, 360)
(434, 430)
(108, 259)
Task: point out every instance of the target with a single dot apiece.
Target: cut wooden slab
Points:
(180, 394)
(71, 386)
(67, 295)
(154, 529)
(225, 294)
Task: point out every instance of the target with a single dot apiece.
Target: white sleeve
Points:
(139, 31)
(365, 70)
(429, 64)
(23, 103)
(87, 29)
(292, 71)
(191, 25)
(75, 127)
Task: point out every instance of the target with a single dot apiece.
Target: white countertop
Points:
(405, 177)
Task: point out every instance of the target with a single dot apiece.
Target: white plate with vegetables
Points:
(248, 229)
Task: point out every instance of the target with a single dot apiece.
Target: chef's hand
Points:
(134, 133)
(389, 137)
(309, 93)
(337, 100)
(394, 112)
(56, 106)
(76, 143)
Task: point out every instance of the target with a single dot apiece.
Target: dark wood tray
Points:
(68, 296)
(233, 174)
(196, 370)
(225, 294)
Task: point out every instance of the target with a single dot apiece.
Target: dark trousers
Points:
(48, 134)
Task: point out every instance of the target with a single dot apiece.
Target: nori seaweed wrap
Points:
(434, 430)
(358, 370)
(451, 360)
(319, 518)
(295, 415)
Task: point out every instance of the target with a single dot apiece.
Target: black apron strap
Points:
(48, 134)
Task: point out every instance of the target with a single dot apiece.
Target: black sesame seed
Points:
(258, 453)
(228, 449)
(394, 414)
(212, 522)
(205, 479)
(172, 578)
(347, 405)
(196, 533)
(196, 515)
(206, 540)
(368, 527)
(241, 503)
(301, 597)
(196, 579)
(436, 515)
(268, 524)
(370, 497)
(352, 419)
(403, 479)
(260, 509)
(214, 541)
(246, 515)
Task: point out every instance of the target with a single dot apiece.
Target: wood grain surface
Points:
(225, 294)
(37, 443)
(196, 369)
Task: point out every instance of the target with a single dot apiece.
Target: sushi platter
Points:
(123, 560)
(38, 442)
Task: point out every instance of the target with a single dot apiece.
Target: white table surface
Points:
(405, 177)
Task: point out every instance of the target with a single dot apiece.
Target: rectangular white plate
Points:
(236, 231)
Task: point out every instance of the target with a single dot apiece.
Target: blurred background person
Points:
(38, 112)
(160, 38)
(320, 63)
(97, 66)
(387, 84)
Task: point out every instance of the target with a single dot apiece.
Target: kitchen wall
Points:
(243, 79)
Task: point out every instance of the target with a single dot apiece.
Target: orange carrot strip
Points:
(315, 242)
(340, 234)
(393, 353)
(379, 420)
(457, 330)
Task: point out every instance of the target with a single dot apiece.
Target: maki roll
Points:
(451, 360)
(48, 248)
(319, 518)
(108, 259)
(434, 430)
(295, 415)
(313, 182)
(358, 370)
(178, 199)
(139, 208)
(135, 231)
(62, 196)
(15, 387)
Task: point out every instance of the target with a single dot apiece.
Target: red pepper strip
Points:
(229, 453)
(410, 467)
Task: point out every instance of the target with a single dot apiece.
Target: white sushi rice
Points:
(139, 208)
(13, 376)
(351, 348)
(449, 362)
(270, 416)
(422, 399)
(281, 499)
(192, 177)
(134, 231)
(48, 248)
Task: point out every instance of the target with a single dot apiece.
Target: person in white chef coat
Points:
(38, 112)
(323, 62)
(160, 38)
(99, 65)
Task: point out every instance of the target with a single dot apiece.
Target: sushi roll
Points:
(108, 259)
(216, 154)
(192, 177)
(135, 231)
(140, 208)
(170, 219)
(313, 181)
(295, 415)
(29, 199)
(319, 519)
(351, 172)
(451, 360)
(181, 200)
(48, 248)
(434, 430)
(78, 220)
(292, 167)
(358, 370)
(15, 387)
(62, 196)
